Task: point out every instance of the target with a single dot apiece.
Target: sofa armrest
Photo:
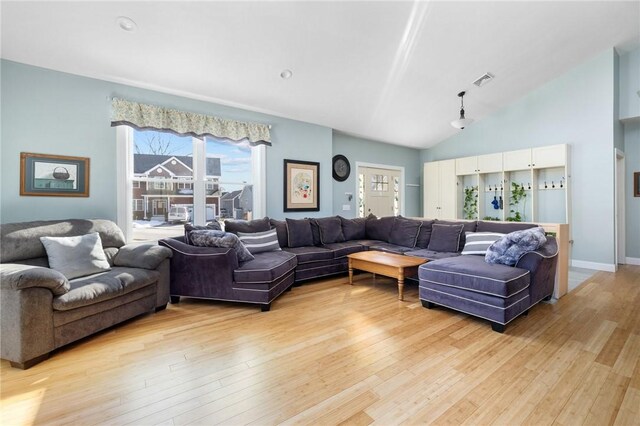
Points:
(541, 264)
(26, 305)
(144, 256)
(19, 277)
(200, 271)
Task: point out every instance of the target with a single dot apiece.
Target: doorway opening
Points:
(620, 220)
(380, 190)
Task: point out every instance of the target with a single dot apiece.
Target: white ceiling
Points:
(388, 71)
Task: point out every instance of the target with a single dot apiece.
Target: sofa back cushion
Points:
(247, 226)
(260, 242)
(299, 232)
(223, 240)
(425, 233)
(445, 237)
(467, 226)
(76, 256)
(353, 229)
(330, 230)
(379, 229)
(502, 227)
(404, 232)
(315, 232)
(281, 230)
(21, 241)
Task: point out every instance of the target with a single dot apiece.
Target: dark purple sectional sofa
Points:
(318, 247)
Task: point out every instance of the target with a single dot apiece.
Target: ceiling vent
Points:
(483, 79)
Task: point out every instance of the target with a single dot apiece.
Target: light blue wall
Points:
(50, 112)
(366, 151)
(576, 108)
(632, 204)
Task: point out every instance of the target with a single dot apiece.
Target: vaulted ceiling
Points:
(383, 70)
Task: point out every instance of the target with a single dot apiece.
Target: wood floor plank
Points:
(329, 353)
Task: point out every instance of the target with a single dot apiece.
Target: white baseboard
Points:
(607, 267)
(632, 260)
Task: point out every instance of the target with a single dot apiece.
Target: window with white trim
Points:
(186, 173)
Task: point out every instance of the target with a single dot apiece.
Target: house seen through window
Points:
(175, 176)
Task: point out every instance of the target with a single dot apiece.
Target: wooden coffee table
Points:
(388, 264)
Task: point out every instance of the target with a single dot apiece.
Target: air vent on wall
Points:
(483, 79)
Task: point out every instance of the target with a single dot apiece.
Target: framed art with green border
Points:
(53, 175)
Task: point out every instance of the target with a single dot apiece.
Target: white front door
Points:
(380, 190)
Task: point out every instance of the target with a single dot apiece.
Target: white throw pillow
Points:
(77, 256)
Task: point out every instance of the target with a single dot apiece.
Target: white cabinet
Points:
(549, 156)
(440, 189)
(490, 163)
(517, 160)
(466, 166)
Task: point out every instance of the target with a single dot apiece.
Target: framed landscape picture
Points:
(301, 186)
(636, 184)
(53, 175)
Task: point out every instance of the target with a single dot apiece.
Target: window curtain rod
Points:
(151, 117)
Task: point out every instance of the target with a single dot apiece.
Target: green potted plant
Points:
(470, 209)
(518, 195)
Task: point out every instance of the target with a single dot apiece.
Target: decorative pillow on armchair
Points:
(221, 239)
(508, 249)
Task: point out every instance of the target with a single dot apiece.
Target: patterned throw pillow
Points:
(510, 248)
(258, 242)
(211, 226)
(221, 239)
(479, 242)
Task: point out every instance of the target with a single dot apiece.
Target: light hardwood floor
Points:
(331, 353)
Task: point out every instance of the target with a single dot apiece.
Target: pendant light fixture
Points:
(462, 122)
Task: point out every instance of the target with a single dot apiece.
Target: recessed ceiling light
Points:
(286, 74)
(127, 24)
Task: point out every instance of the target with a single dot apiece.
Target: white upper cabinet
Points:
(466, 166)
(490, 163)
(517, 160)
(549, 156)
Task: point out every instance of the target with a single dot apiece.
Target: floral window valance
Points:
(151, 117)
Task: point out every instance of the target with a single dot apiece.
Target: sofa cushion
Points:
(353, 229)
(315, 232)
(467, 226)
(425, 233)
(211, 226)
(390, 248)
(430, 254)
(472, 273)
(22, 240)
(299, 233)
(223, 240)
(342, 249)
(266, 267)
(478, 242)
(379, 229)
(367, 243)
(330, 230)
(404, 232)
(281, 230)
(107, 285)
(248, 226)
(259, 242)
(76, 256)
(510, 248)
(502, 227)
(445, 237)
(310, 253)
